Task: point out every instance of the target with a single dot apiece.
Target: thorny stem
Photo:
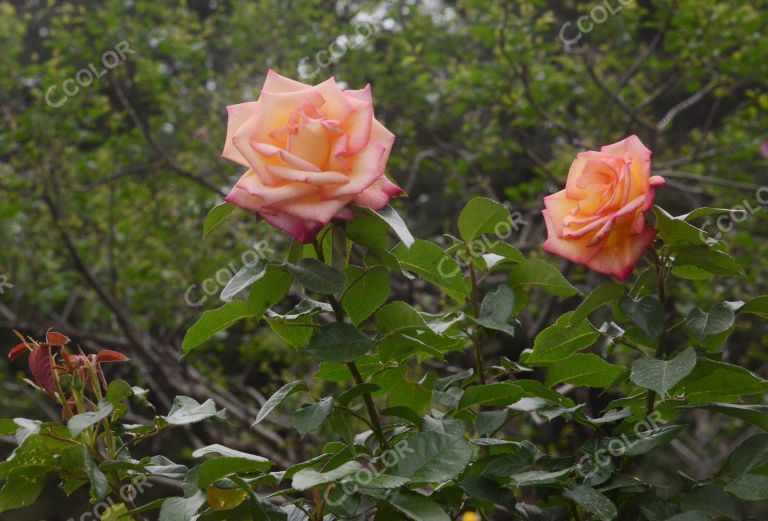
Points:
(356, 376)
(661, 351)
(476, 314)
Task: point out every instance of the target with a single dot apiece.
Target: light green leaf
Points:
(277, 398)
(583, 370)
(213, 321)
(499, 394)
(80, 422)
(308, 478)
(538, 273)
(311, 415)
(430, 262)
(561, 340)
(482, 215)
(367, 291)
(217, 215)
(758, 306)
(605, 293)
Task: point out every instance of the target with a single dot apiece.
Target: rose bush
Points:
(599, 219)
(395, 423)
(310, 152)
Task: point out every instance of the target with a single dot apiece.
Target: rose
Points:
(310, 152)
(599, 219)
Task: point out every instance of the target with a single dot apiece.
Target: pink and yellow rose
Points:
(311, 151)
(599, 219)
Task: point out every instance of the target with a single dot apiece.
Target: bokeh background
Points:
(105, 180)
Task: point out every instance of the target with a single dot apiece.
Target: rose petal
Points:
(237, 115)
(378, 194)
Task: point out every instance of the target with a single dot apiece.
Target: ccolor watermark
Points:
(212, 285)
(483, 244)
(618, 446)
(738, 214)
(365, 476)
(128, 493)
(586, 23)
(363, 31)
(85, 77)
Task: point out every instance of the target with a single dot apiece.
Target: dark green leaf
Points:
(339, 342)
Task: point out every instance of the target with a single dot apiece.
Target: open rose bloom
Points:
(599, 219)
(310, 152)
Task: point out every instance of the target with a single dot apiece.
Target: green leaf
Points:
(187, 410)
(592, 501)
(409, 394)
(497, 308)
(430, 457)
(583, 370)
(22, 487)
(647, 313)
(317, 276)
(417, 507)
(358, 390)
(398, 317)
(486, 489)
(755, 414)
(269, 289)
(217, 215)
(277, 398)
(751, 455)
(537, 477)
(182, 508)
(482, 215)
(99, 483)
(750, 487)
(308, 478)
(366, 293)
(80, 422)
(311, 415)
(603, 294)
(662, 375)
(646, 441)
(561, 340)
(719, 319)
(538, 273)
(758, 306)
(390, 216)
(247, 275)
(499, 394)
(213, 470)
(712, 381)
(713, 500)
(339, 342)
(368, 229)
(213, 321)
(711, 260)
(675, 231)
(433, 264)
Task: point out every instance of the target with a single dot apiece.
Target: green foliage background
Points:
(102, 198)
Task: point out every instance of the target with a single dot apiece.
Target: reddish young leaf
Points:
(17, 351)
(41, 366)
(107, 355)
(56, 339)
